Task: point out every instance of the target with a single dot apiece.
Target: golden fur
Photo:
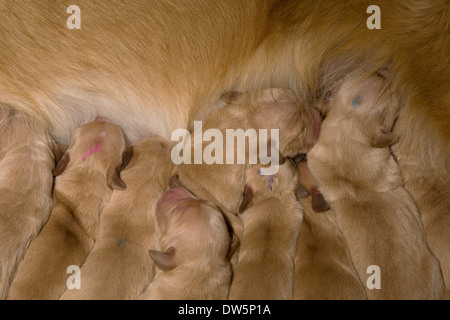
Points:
(84, 185)
(363, 184)
(119, 266)
(26, 161)
(266, 109)
(192, 244)
(265, 270)
(324, 268)
(155, 66)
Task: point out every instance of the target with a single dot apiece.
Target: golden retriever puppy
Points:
(86, 175)
(361, 180)
(192, 246)
(265, 270)
(119, 266)
(26, 162)
(270, 109)
(324, 268)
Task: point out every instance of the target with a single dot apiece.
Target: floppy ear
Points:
(62, 164)
(301, 192)
(116, 181)
(318, 201)
(386, 117)
(382, 139)
(126, 157)
(383, 136)
(230, 96)
(246, 201)
(235, 229)
(59, 150)
(164, 260)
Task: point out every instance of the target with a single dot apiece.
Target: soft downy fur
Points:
(272, 108)
(155, 66)
(324, 268)
(272, 221)
(119, 266)
(362, 182)
(27, 158)
(84, 182)
(192, 243)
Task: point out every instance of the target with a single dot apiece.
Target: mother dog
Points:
(155, 66)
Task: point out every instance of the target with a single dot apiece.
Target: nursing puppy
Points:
(265, 269)
(192, 248)
(86, 175)
(363, 184)
(26, 162)
(324, 268)
(119, 266)
(269, 109)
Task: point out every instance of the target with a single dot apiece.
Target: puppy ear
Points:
(301, 192)
(383, 135)
(318, 202)
(383, 139)
(389, 107)
(59, 150)
(230, 96)
(246, 201)
(116, 181)
(235, 229)
(164, 260)
(62, 164)
(126, 157)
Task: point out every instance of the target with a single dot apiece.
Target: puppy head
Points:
(277, 108)
(373, 106)
(188, 229)
(259, 187)
(97, 145)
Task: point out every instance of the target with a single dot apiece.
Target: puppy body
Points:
(119, 266)
(324, 268)
(265, 269)
(26, 160)
(192, 243)
(363, 184)
(80, 193)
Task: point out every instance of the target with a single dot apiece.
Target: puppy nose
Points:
(101, 119)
